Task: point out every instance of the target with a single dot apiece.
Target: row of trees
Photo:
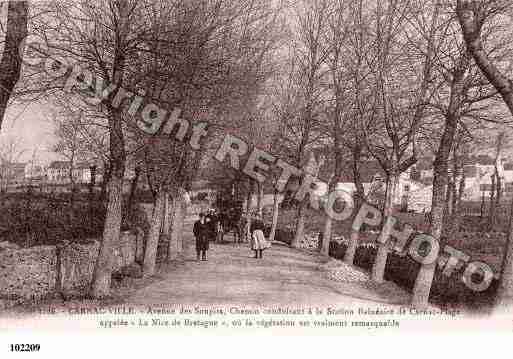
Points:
(370, 80)
(209, 58)
(386, 80)
(476, 18)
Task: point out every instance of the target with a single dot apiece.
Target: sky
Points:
(32, 129)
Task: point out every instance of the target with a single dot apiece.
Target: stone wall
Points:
(28, 273)
(77, 266)
(31, 273)
(126, 250)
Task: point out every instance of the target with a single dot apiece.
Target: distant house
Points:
(34, 172)
(12, 174)
(478, 172)
(372, 177)
(58, 172)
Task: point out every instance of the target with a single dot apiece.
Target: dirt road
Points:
(285, 276)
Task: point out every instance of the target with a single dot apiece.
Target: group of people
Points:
(209, 227)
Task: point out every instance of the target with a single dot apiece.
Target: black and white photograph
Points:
(255, 166)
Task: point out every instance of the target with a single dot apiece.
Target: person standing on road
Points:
(201, 232)
(220, 228)
(216, 226)
(211, 225)
(258, 241)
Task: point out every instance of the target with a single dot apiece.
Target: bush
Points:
(403, 271)
(283, 236)
(48, 221)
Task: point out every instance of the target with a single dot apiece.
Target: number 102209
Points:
(24, 347)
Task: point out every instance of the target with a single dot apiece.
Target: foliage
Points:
(37, 220)
(445, 292)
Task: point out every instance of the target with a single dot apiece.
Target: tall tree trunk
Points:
(111, 231)
(449, 206)
(450, 197)
(107, 174)
(168, 216)
(133, 190)
(92, 183)
(72, 183)
(495, 196)
(150, 254)
(10, 64)
(491, 213)
(248, 209)
(359, 199)
(183, 216)
(378, 269)
(151, 185)
(456, 217)
(312, 168)
(326, 235)
(498, 198)
(177, 218)
(424, 279)
(482, 208)
(300, 224)
(260, 198)
(328, 224)
(354, 236)
(276, 209)
(504, 299)
(470, 18)
(103, 269)
(249, 195)
(113, 218)
(112, 227)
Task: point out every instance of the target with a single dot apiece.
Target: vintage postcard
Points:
(210, 167)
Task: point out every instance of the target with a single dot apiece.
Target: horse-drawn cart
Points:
(230, 216)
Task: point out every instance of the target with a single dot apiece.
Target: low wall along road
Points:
(33, 273)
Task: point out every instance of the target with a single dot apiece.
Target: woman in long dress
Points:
(258, 241)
